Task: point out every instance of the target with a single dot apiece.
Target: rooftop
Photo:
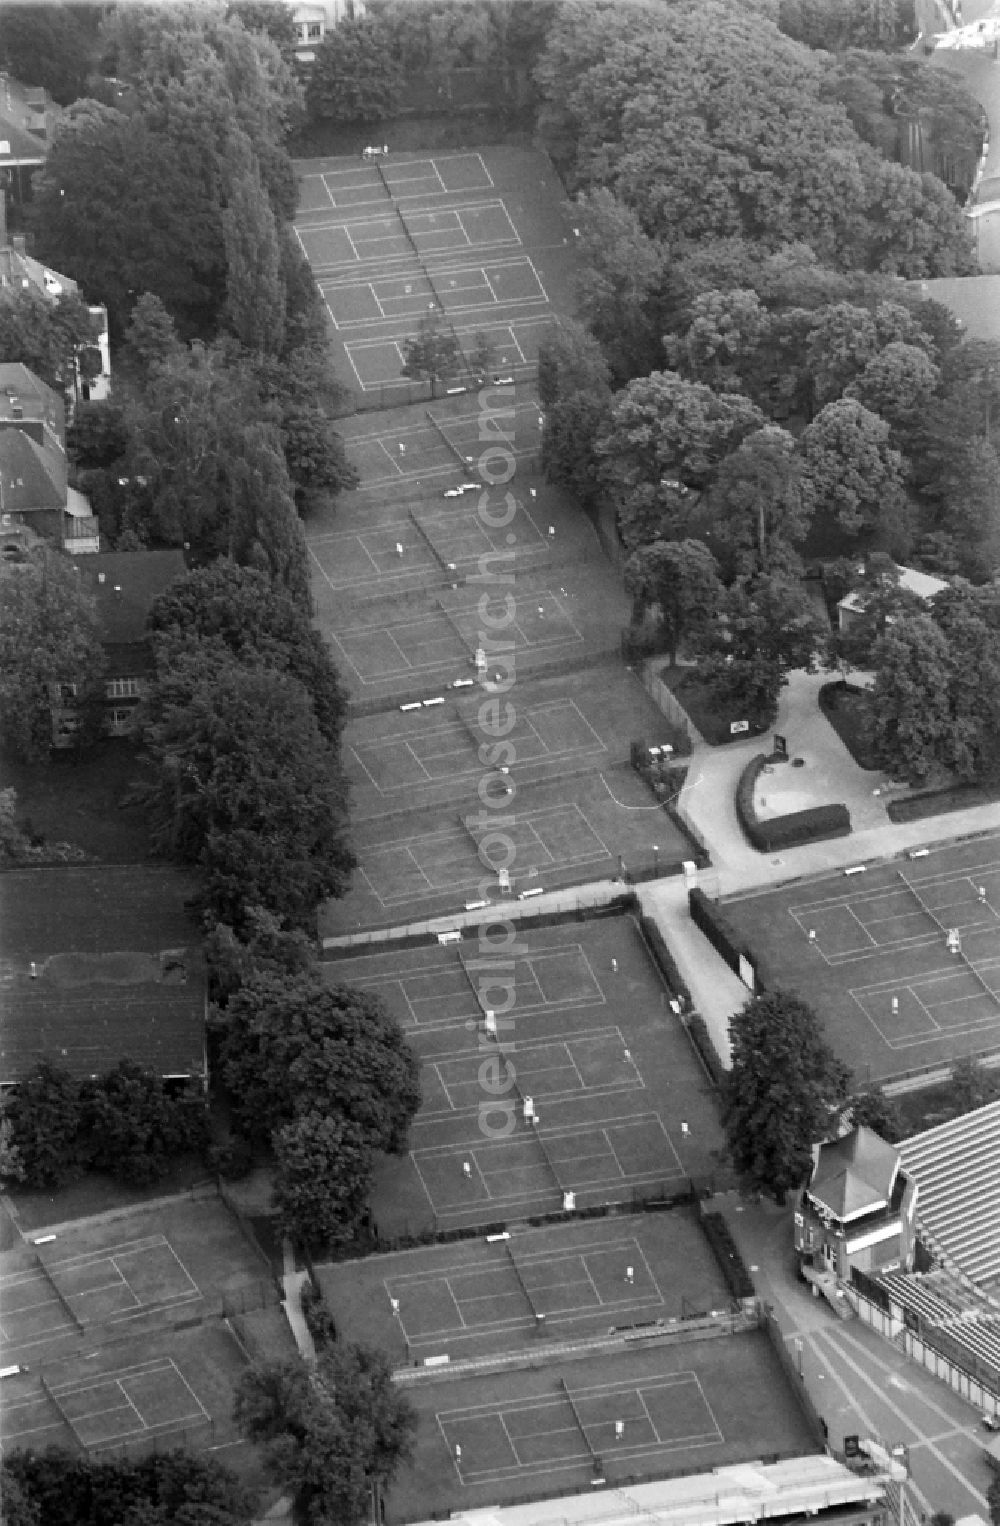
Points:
(99, 962)
(854, 1174)
(910, 581)
(751, 1491)
(32, 476)
(125, 584)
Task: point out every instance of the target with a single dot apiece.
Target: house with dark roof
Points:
(124, 585)
(857, 1209)
(99, 963)
(20, 272)
(28, 117)
(34, 487)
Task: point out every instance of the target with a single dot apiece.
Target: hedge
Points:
(727, 1254)
(702, 1041)
(789, 831)
(723, 934)
(664, 958)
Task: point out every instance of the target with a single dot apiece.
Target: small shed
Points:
(852, 607)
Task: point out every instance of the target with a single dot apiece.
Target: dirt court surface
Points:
(544, 1285)
(870, 953)
(496, 1439)
(585, 1030)
(479, 236)
(119, 1325)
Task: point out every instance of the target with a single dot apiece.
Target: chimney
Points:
(34, 970)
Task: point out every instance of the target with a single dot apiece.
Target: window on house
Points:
(314, 31)
(120, 722)
(123, 688)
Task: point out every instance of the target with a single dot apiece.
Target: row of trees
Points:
(124, 1123)
(242, 727)
(184, 188)
(364, 69)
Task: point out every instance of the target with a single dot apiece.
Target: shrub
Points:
(727, 1254)
(318, 1316)
(723, 935)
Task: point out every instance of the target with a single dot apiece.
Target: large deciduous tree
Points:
(758, 498)
(619, 284)
(355, 75)
(246, 787)
(574, 390)
(213, 465)
(325, 1075)
(662, 425)
(781, 1093)
(770, 628)
(679, 580)
(851, 473)
(294, 1046)
(259, 624)
(132, 1129)
(912, 721)
(329, 1434)
(49, 637)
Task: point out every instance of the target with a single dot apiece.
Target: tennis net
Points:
(960, 951)
(63, 1301)
(582, 1428)
(520, 1277)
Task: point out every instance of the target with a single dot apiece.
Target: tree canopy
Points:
(708, 123)
(328, 1435)
(259, 624)
(49, 637)
(59, 1488)
(784, 1087)
(245, 786)
(325, 1075)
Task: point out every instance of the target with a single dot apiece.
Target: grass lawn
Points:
(79, 799)
(849, 711)
(703, 708)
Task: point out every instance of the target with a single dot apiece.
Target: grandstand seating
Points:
(957, 1170)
